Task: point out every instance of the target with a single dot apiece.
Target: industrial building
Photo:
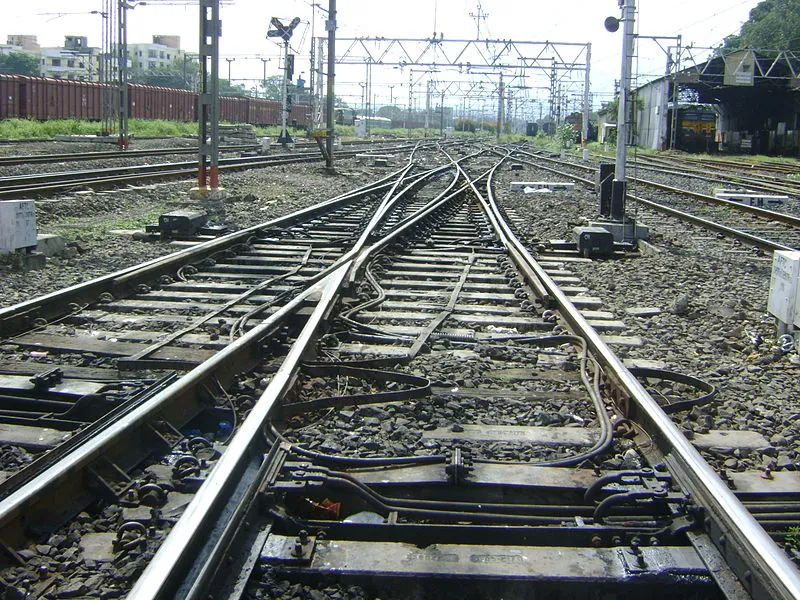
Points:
(746, 101)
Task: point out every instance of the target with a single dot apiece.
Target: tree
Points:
(773, 25)
(226, 88)
(180, 74)
(271, 87)
(468, 125)
(19, 63)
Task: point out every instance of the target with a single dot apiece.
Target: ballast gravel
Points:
(705, 314)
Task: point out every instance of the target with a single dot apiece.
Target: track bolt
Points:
(303, 537)
(597, 541)
(298, 550)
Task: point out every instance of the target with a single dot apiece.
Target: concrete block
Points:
(519, 186)
(49, 244)
(17, 225)
(624, 232)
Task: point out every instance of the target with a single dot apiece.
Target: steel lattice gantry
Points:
(560, 63)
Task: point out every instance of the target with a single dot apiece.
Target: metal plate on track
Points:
(546, 436)
(32, 438)
(718, 438)
(535, 565)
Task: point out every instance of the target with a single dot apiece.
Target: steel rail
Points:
(240, 352)
(755, 210)
(736, 233)
(84, 156)
(163, 576)
(56, 304)
(768, 566)
(174, 570)
(38, 183)
(23, 499)
(730, 231)
(516, 250)
(106, 154)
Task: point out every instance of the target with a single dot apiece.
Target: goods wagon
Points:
(43, 98)
(264, 112)
(150, 102)
(9, 96)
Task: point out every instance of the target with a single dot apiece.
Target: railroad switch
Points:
(48, 379)
(460, 466)
(286, 550)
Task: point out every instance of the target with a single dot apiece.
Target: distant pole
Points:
(619, 185)
(500, 94)
(230, 60)
(586, 96)
(441, 115)
(391, 95)
(264, 80)
(208, 96)
(123, 74)
(285, 139)
(311, 77)
(427, 108)
(410, 100)
(330, 25)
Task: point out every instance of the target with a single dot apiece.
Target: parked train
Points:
(696, 128)
(43, 98)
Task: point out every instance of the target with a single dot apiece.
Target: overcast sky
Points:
(703, 23)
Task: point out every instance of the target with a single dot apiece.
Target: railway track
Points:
(747, 175)
(414, 405)
(106, 155)
(764, 228)
(131, 154)
(24, 185)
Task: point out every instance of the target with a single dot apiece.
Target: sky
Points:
(703, 23)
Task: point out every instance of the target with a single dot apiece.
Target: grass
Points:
(73, 229)
(16, 129)
(793, 538)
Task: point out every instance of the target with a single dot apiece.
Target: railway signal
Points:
(284, 31)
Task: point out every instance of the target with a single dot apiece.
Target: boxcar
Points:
(233, 109)
(9, 96)
(264, 112)
(44, 98)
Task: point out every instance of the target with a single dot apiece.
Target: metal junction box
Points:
(17, 225)
(594, 241)
(783, 285)
(182, 222)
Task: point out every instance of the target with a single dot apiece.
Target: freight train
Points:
(43, 98)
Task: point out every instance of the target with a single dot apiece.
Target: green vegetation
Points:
(19, 63)
(75, 229)
(11, 261)
(16, 129)
(564, 135)
(773, 25)
(793, 538)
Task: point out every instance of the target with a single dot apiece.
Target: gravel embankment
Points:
(86, 219)
(710, 295)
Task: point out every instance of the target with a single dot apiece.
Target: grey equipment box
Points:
(594, 241)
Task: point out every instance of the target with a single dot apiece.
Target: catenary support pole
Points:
(619, 185)
(330, 25)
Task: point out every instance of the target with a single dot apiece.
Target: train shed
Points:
(755, 96)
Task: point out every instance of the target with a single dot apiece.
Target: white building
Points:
(164, 50)
(75, 60)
